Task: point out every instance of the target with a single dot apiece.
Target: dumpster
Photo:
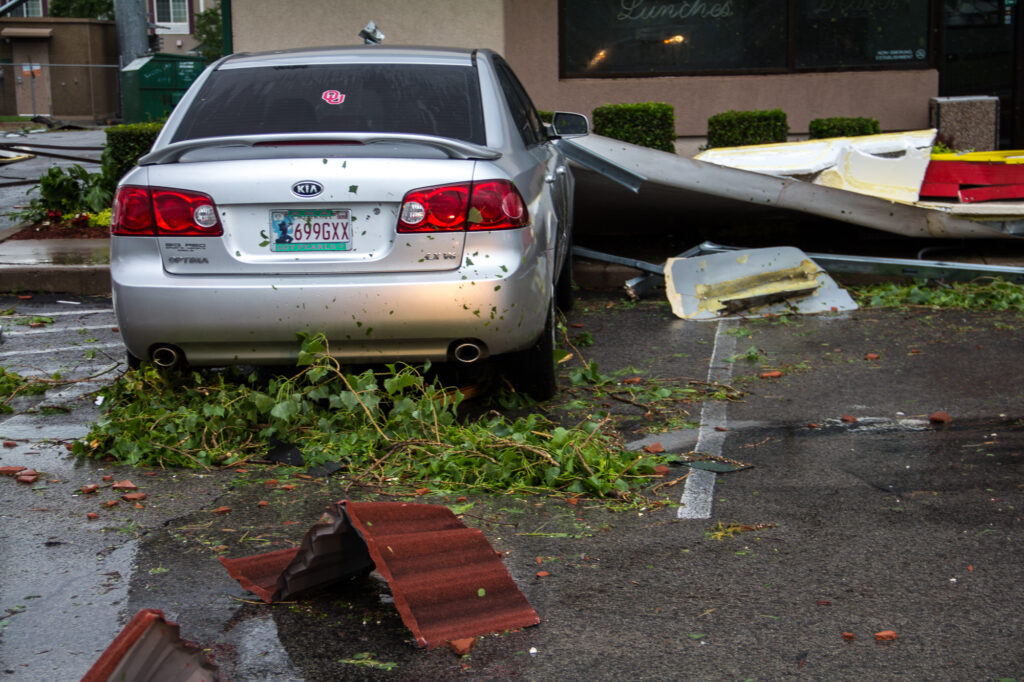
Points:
(152, 85)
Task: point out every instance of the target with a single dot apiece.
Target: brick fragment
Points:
(28, 476)
(940, 418)
(462, 647)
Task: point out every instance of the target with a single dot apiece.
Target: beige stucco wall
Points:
(898, 99)
(273, 25)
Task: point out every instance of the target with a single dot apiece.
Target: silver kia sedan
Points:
(408, 203)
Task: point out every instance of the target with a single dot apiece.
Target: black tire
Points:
(132, 361)
(533, 370)
(564, 297)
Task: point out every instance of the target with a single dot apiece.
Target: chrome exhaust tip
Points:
(167, 357)
(467, 352)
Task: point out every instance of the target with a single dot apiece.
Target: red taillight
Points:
(132, 213)
(164, 212)
(434, 209)
(497, 205)
(488, 205)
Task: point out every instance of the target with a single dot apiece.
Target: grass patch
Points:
(983, 294)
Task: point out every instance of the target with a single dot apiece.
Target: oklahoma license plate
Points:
(310, 230)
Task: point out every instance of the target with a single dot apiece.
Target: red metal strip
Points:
(992, 192)
(939, 189)
(974, 173)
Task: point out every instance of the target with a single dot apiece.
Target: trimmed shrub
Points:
(648, 124)
(545, 115)
(740, 128)
(125, 144)
(843, 127)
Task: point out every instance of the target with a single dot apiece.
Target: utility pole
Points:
(132, 30)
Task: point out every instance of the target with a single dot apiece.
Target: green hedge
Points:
(125, 144)
(545, 116)
(648, 124)
(843, 127)
(739, 128)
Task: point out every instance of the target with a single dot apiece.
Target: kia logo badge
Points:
(307, 188)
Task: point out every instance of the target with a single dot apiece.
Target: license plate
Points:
(310, 230)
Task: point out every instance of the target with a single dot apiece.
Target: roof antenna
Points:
(371, 35)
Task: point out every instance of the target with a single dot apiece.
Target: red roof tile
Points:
(149, 648)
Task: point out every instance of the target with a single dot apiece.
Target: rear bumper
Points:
(499, 300)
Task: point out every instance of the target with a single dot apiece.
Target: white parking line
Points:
(53, 330)
(699, 488)
(52, 351)
(48, 313)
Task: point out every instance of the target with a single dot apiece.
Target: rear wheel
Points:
(532, 371)
(132, 361)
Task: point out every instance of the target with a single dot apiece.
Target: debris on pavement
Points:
(638, 287)
(873, 181)
(447, 581)
(975, 176)
(888, 166)
(759, 281)
(150, 648)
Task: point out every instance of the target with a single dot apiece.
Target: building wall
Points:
(898, 99)
(184, 43)
(274, 25)
(82, 71)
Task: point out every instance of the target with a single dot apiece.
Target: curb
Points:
(82, 280)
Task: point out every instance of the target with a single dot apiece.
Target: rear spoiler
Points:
(454, 149)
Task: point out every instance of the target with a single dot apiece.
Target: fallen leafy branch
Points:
(384, 430)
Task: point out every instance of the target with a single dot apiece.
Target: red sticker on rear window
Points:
(332, 97)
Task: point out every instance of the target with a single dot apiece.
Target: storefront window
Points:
(852, 33)
(664, 37)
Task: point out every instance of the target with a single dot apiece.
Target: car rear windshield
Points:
(379, 98)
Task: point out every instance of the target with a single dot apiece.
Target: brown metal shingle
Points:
(446, 579)
(150, 648)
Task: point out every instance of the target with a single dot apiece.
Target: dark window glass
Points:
(380, 98)
(523, 112)
(670, 37)
(851, 33)
(605, 37)
(959, 13)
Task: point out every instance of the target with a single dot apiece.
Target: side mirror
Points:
(565, 124)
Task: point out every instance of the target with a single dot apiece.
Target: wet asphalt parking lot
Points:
(888, 522)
